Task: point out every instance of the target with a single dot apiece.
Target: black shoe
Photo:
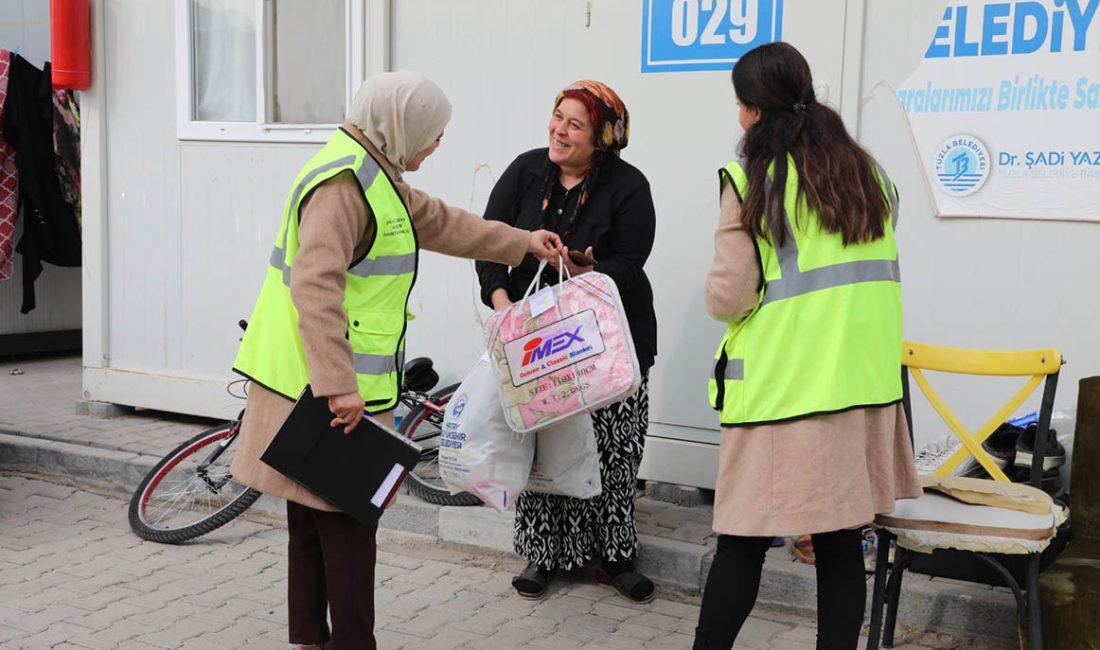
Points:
(532, 583)
(1051, 482)
(629, 584)
(1055, 455)
(1001, 444)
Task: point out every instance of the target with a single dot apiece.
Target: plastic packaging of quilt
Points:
(562, 351)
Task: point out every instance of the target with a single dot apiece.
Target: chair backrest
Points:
(1037, 365)
(1084, 498)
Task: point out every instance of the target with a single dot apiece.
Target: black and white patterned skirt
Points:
(565, 533)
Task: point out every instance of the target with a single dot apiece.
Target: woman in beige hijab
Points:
(345, 263)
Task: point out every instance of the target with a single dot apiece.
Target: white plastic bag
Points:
(562, 351)
(567, 461)
(478, 453)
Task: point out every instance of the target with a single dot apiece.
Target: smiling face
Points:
(571, 139)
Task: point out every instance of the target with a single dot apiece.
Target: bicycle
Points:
(190, 492)
(176, 502)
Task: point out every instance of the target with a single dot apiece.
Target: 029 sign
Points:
(680, 35)
(685, 22)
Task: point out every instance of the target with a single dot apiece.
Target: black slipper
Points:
(631, 585)
(531, 584)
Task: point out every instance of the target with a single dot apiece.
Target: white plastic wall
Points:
(980, 283)
(186, 228)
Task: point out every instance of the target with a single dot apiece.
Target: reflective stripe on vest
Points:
(735, 370)
(796, 282)
(385, 265)
(378, 364)
(826, 332)
(376, 293)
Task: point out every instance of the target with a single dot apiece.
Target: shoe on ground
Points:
(937, 452)
(1001, 444)
(802, 548)
(631, 585)
(1051, 482)
(531, 583)
(1055, 455)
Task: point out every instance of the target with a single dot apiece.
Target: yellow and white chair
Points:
(995, 529)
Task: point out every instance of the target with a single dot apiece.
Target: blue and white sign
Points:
(1004, 109)
(680, 35)
(962, 165)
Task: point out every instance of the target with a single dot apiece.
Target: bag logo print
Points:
(538, 349)
(554, 347)
(460, 405)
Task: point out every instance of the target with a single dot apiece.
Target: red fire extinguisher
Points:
(70, 30)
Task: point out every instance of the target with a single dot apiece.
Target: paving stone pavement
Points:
(41, 401)
(73, 577)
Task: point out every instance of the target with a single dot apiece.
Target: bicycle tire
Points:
(421, 482)
(218, 517)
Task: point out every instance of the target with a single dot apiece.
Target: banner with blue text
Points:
(1005, 109)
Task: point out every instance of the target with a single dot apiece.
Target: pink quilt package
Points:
(563, 351)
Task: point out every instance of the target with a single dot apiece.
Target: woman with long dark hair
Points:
(807, 379)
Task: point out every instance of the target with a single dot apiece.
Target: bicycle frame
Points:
(412, 399)
(202, 470)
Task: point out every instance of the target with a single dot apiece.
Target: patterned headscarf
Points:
(611, 127)
(610, 119)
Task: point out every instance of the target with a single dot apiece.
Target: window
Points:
(273, 70)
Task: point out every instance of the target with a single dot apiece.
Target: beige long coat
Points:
(336, 227)
(817, 474)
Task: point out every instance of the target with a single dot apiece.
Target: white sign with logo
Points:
(554, 347)
(1005, 109)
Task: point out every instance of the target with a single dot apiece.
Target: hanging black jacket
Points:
(50, 229)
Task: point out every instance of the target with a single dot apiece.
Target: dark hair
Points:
(836, 177)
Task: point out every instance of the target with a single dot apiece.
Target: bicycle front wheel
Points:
(190, 492)
(423, 426)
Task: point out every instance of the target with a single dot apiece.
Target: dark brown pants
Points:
(331, 557)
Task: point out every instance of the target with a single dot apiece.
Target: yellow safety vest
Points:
(825, 335)
(375, 298)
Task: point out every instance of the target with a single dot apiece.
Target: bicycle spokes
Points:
(191, 491)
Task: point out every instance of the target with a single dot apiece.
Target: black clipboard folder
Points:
(357, 472)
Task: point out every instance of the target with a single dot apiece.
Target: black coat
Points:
(50, 229)
(618, 222)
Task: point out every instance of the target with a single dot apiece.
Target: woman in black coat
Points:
(581, 189)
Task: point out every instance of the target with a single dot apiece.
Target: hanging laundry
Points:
(66, 146)
(50, 229)
(9, 181)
